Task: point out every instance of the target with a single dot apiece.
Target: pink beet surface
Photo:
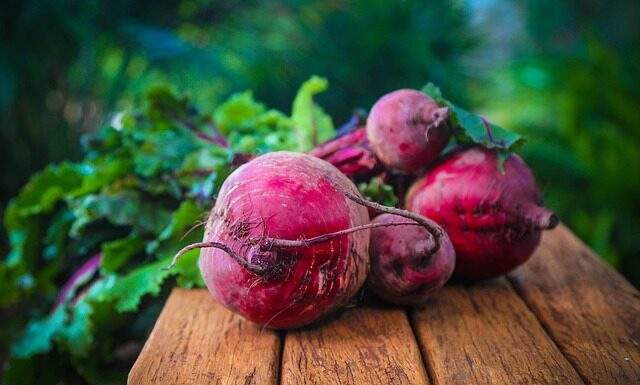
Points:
(288, 196)
(407, 130)
(350, 153)
(402, 270)
(494, 219)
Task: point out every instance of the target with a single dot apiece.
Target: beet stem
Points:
(276, 242)
(440, 116)
(552, 222)
(428, 224)
(255, 269)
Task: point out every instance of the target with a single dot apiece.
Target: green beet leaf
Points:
(39, 334)
(140, 194)
(378, 191)
(473, 128)
(312, 124)
(116, 254)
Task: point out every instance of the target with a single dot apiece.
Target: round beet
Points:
(247, 264)
(407, 129)
(402, 269)
(493, 218)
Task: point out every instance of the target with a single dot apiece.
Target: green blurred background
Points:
(565, 74)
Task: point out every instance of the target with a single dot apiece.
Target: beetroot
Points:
(402, 269)
(407, 129)
(247, 264)
(493, 218)
(287, 240)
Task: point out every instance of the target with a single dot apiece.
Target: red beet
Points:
(402, 269)
(494, 219)
(407, 129)
(278, 197)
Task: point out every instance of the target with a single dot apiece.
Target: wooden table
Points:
(562, 318)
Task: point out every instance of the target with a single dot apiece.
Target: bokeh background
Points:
(566, 74)
(563, 73)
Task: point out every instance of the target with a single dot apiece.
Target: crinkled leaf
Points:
(164, 105)
(311, 123)
(42, 192)
(166, 185)
(80, 331)
(378, 191)
(70, 325)
(189, 214)
(127, 291)
(39, 334)
(77, 335)
(103, 171)
(57, 234)
(207, 166)
(126, 209)
(275, 130)
(163, 151)
(91, 238)
(434, 92)
(473, 128)
(116, 254)
(238, 113)
(187, 271)
(251, 128)
(477, 130)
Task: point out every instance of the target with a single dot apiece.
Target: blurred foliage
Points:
(65, 64)
(564, 74)
(90, 240)
(569, 84)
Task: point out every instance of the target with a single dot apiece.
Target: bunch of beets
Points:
(290, 238)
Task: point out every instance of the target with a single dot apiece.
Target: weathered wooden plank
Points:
(197, 341)
(484, 334)
(362, 346)
(590, 311)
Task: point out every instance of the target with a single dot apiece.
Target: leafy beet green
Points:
(377, 190)
(470, 128)
(137, 197)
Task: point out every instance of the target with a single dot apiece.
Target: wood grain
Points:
(196, 341)
(570, 320)
(362, 346)
(591, 312)
(484, 334)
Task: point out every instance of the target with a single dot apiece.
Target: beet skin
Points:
(285, 195)
(493, 218)
(402, 270)
(407, 130)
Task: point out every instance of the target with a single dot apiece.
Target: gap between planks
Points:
(485, 334)
(365, 345)
(590, 311)
(544, 304)
(197, 341)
